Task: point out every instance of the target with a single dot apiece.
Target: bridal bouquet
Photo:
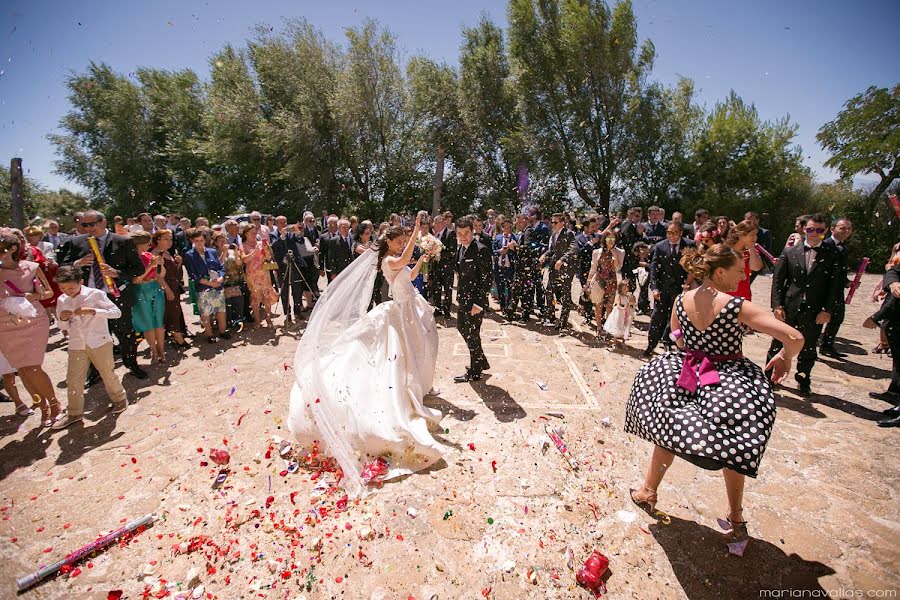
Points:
(432, 247)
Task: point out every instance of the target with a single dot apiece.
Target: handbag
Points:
(232, 291)
(270, 265)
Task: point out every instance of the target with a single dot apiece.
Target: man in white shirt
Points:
(84, 313)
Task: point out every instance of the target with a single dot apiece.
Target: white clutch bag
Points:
(19, 306)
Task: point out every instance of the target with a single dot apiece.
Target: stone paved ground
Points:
(824, 512)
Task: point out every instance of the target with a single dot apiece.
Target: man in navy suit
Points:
(807, 287)
(654, 228)
(667, 279)
(505, 266)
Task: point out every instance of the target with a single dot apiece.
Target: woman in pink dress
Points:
(24, 326)
(256, 254)
(742, 239)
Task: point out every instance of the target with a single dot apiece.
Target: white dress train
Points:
(361, 398)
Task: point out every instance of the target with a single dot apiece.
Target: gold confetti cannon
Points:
(110, 284)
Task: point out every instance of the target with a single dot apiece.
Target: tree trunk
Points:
(438, 182)
(883, 185)
(15, 178)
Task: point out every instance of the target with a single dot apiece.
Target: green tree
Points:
(375, 126)
(236, 174)
(578, 66)
(865, 137)
(60, 205)
(106, 147)
(297, 71)
(663, 125)
(739, 162)
(494, 144)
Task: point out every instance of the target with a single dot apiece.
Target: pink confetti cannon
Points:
(857, 280)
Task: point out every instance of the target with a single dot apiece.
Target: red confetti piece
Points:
(75, 572)
(114, 595)
(317, 400)
(338, 579)
(133, 460)
(48, 550)
(287, 366)
(13, 540)
(67, 525)
(283, 473)
(203, 463)
(286, 575)
(269, 501)
(241, 418)
(471, 446)
(293, 495)
(199, 450)
(399, 537)
(40, 529)
(494, 465)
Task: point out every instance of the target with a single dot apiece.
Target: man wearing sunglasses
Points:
(807, 287)
(122, 264)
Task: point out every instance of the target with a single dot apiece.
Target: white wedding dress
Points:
(361, 376)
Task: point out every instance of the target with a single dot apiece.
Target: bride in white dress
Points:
(361, 375)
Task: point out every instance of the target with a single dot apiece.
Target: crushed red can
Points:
(591, 574)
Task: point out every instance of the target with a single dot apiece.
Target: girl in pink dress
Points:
(24, 326)
(256, 254)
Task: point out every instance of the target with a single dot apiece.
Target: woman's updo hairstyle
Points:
(740, 230)
(391, 233)
(702, 263)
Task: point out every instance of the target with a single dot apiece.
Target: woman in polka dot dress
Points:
(705, 402)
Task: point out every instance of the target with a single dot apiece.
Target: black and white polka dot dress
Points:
(720, 425)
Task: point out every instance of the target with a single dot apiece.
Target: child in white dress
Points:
(618, 324)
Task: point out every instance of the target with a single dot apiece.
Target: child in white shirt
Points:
(84, 312)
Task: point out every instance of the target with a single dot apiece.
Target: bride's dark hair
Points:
(391, 233)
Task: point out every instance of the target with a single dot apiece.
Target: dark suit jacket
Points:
(565, 249)
(806, 294)
(654, 234)
(338, 255)
(289, 241)
(447, 237)
(323, 249)
(628, 235)
(118, 252)
(666, 274)
(474, 276)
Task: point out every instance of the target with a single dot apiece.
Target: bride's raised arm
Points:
(403, 259)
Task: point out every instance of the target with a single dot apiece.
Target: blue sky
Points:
(802, 58)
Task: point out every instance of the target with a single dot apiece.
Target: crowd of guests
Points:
(128, 279)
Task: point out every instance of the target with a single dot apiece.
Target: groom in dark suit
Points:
(807, 289)
(473, 264)
(122, 264)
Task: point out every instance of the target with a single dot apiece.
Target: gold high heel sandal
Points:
(648, 505)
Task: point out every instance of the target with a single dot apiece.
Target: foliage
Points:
(740, 163)
(294, 121)
(865, 137)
